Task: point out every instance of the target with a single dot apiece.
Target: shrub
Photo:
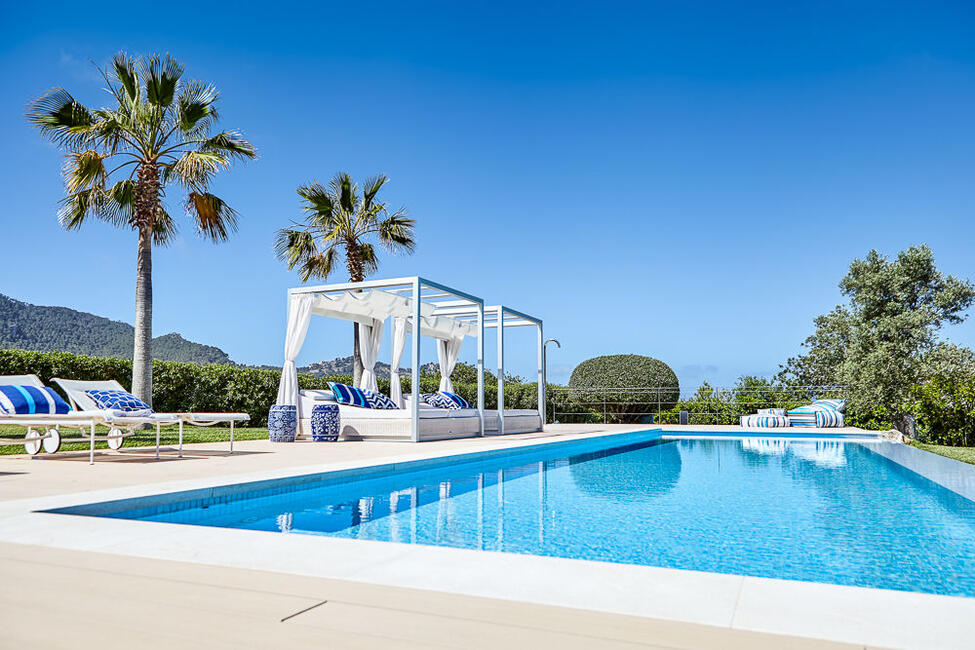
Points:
(222, 388)
(944, 409)
(611, 381)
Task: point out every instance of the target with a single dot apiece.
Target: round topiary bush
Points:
(626, 387)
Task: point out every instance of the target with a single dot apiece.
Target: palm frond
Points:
(61, 118)
(214, 218)
(78, 206)
(124, 70)
(294, 245)
(371, 189)
(319, 202)
(231, 143)
(120, 208)
(161, 77)
(344, 189)
(194, 169)
(318, 266)
(370, 261)
(163, 228)
(396, 232)
(196, 109)
(84, 169)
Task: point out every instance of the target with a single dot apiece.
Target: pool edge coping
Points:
(746, 603)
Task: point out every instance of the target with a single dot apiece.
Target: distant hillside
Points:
(343, 366)
(30, 327)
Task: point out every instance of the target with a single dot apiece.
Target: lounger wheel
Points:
(115, 439)
(53, 441)
(32, 441)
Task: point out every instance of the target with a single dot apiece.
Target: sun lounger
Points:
(77, 391)
(50, 423)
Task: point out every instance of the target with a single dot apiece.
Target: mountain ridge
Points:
(42, 328)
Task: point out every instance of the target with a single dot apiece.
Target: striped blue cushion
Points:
(829, 417)
(27, 400)
(457, 399)
(835, 404)
(350, 395)
(118, 400)
(804, 416)
(764, 421)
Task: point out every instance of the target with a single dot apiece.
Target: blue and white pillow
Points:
(27, 400)
(119, 400)
(835, 404)
(445, 400)
(350, 395)
(376, 400)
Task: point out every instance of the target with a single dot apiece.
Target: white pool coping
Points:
(871, 617)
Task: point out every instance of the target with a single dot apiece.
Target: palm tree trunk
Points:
(146, 209)
(142, 350)
(354, 260)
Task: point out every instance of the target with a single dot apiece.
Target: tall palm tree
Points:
(338, 220)
(121, 159)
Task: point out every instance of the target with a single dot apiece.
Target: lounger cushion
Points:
(360, 397)
(445, 400)
(345, 394)
(27, 400)
(119, 400)
(835, 404)
(376, 400)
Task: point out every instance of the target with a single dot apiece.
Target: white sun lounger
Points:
(77, 394)
(86, 420)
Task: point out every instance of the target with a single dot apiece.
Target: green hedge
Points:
(221, 388)
(613, 379)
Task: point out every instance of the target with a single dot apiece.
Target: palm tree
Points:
(338, 220)
(121, 159)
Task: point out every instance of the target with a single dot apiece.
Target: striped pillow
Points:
(27, 400)
(458, 400)
(835, 404)
(350, 395)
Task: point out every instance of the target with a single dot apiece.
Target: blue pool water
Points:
(822, 511)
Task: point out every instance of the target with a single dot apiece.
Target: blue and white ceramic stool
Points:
(282, 423)
(325, 423)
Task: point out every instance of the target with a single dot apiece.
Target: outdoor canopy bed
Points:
(447, 315)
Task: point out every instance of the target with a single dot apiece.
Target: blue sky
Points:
(687, 182)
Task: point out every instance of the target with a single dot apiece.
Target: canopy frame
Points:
(439, 299)
(500, 317)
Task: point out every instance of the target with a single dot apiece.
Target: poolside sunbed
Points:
(77, 391)
(86, 420)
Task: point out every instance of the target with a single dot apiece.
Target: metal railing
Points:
(664, 404)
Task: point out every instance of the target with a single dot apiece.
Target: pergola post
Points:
(480, 364)
(415, 370)
(500, 322)
(541, 374)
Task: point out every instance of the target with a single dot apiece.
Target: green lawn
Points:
(170, 436)
(964, 454)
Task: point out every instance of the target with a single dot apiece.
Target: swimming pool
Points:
(828, 511)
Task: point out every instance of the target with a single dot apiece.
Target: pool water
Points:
(823, 511)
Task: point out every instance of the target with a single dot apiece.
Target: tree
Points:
(339, 220)
(121, 159)
(885, 341)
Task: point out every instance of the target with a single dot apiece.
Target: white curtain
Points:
(447, 353)
(399, 342)
(299, 314)
(370, 338)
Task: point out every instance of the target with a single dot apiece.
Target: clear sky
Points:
(684, 180)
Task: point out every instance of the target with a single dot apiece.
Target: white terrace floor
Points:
(86, 582)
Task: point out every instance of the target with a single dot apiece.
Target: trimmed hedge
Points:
(221, 388)
(625, 372)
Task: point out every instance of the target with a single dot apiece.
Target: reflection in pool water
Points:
(829, 511)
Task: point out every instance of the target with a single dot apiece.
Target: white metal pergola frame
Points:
(499, 317)
(444, 300)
